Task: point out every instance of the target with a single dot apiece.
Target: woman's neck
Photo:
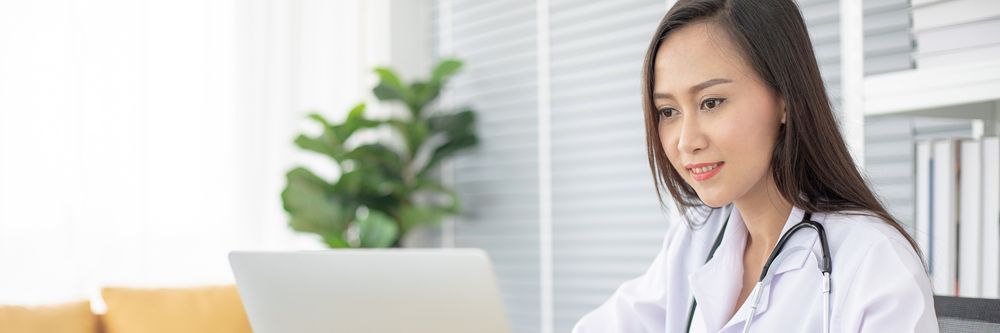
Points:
(764, 211)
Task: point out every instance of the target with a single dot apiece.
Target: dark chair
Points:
(958, 314)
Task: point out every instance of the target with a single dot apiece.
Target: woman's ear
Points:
(784, 111)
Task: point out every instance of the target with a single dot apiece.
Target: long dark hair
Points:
(810, 163)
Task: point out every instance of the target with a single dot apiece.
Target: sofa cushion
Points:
(215, 309)
(74, 317)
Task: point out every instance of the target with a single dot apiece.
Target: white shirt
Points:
(878, 282)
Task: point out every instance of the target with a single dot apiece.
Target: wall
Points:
(140, 141)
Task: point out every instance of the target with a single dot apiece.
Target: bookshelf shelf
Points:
(936, 91)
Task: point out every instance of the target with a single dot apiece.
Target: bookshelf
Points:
(965, 91)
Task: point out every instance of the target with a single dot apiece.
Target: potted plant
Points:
(382, 192)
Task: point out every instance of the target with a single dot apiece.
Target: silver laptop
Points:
(358, 291)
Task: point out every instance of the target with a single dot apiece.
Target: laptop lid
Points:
(370, 290)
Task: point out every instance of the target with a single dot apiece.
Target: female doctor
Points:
(740, 131)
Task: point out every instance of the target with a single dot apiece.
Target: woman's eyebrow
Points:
(696, 88)
(706, 84)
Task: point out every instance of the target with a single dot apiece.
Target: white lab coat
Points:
(878, 282)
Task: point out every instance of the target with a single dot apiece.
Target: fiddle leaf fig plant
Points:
(383, 191)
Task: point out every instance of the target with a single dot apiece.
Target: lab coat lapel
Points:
(797, 248)
(793, 257)
(717, 283)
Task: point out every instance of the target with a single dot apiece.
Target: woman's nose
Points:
(692, 138)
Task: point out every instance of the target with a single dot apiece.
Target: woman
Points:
(737, 118)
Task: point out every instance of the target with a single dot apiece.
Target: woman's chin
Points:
(713, 199)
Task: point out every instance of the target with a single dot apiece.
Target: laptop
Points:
(370, 290)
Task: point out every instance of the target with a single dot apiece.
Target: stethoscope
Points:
(825, 266)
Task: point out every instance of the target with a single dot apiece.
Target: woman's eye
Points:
(667, 112)
(712, 103)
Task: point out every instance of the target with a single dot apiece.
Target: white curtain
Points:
(141, 140)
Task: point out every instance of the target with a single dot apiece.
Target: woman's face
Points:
(714, 111)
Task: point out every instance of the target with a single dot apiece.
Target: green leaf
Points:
(311, 204)
(367, 187)
(412, 216)
(380, 157)
(445, 69)
(319, 119)
(355, 121)
(326, 143)
(384, 93)
(350, 183)
(453, 146)
(414, 133)
(459, 130)
(313, 144)
(423, 94)
(363, 182)
(389, 77)
(418, 135)
(390, 87)
(377, 230)
(453, 124)
(335, 241)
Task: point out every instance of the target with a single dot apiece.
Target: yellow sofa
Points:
(215, 309)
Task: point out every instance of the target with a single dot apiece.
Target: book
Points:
(944, 227)
(991, 218)
(922, 229)
(970, 222)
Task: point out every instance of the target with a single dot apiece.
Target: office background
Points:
(140, 141)
(560, 192)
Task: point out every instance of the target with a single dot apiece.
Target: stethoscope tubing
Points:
(825, 267)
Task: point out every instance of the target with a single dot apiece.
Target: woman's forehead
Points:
(695, 53)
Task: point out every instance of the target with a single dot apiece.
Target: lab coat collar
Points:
(797, 249)
(717, 284)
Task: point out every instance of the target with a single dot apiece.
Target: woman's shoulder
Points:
(861, 229)
(875, 265)
(863, 242)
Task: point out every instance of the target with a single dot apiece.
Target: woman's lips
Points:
(705, 175)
